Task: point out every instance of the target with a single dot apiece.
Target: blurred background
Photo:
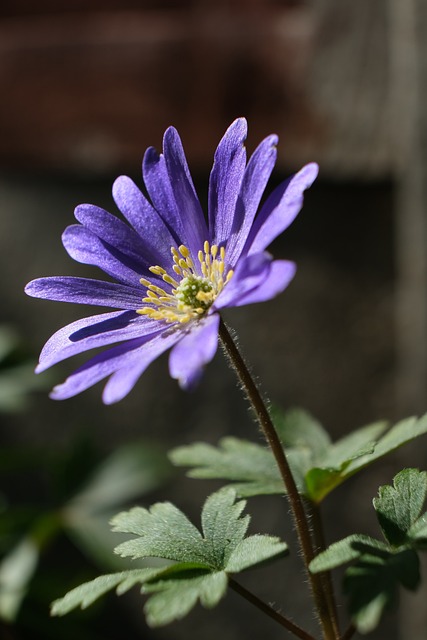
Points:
(85, 87)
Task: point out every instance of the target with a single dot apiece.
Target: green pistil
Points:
(195, 292)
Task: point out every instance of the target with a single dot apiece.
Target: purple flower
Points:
(174, 270)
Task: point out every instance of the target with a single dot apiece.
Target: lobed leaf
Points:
(163, 532)
(337, 462)
(372, 584)
(399, 506)
(250, 467)
(254, 550)
(222, 525)
(318, 465)
(346, 550)
(418, 532)
(200, 563)
(85, 594)
(297, 428)
(175, 596)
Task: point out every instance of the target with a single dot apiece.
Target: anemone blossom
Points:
(173, 268)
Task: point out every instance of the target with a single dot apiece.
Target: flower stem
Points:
(349, 633)
(267, 609)
(296, 504)
(328, 589)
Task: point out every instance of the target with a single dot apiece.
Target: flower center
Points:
(191, 290)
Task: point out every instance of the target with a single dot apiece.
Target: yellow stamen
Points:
(184, 251)
(194, 289)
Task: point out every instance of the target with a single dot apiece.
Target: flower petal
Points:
(85, 291)
(115, 233)
(96, 331)
(131, 357)
(85, 247)
(193, 351)
(145, 220)
(225, 180)
(187, 203)
(125, 378)
(156, 180)
(99, 367)
(280, 209)
(251, 272)
(255, 179)
(280, 275)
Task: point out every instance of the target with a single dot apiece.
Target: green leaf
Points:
(16, 570)
(163, 532)
(201, 563)
(346, 550)
(372, 585)
(254, 550)
(297, 428)
(336, 463)
(127, 473)
(9, 341)
(130, 471)
(85, 594)
(251, 465)
(352, 446)
(347, 456)
(380, 567)
(318, 465)
(418, 532)
(401, 433)
(175, 595)
(222, 525)
(399, 506)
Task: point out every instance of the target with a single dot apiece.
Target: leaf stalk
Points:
(268, 610)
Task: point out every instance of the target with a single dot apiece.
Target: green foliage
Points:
(127, 473)
(17, 379)
(82, 506)
(399, 507)
(371, 583)
(196, 564)
(249, 466)
(15, 572)
(318, 465)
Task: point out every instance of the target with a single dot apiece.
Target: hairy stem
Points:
(267, 609)
(349, 633)
(319, 540)
(297, 507)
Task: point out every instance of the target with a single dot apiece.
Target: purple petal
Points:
(251, 272)
(156, 180)
(145, 220)
(115, 233)
(194, 350)
(280, 275)
(96, 331)
(85, 291)
(99, 367)
(255, 180)
(280, 209)
(125, 378)
(132, 357)
(85, 247)
(187, 203)
(225, 180)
